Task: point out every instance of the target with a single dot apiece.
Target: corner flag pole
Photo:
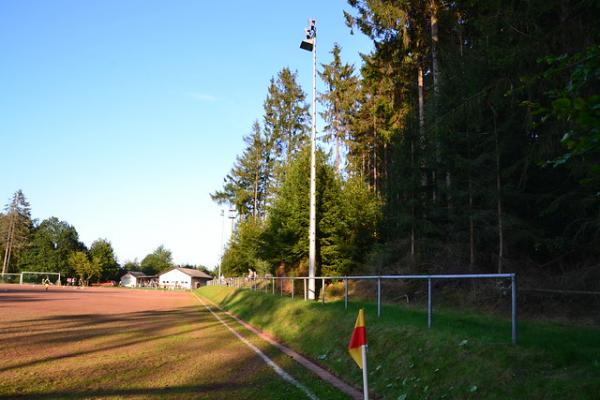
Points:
(365, 373)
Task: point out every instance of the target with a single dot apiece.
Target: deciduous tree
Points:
(85, 268)
(158, 261)
(101, 250)
(51, 244)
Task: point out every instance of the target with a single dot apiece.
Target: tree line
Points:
(53, 245)
(468, 140)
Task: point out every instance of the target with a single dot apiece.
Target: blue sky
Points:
(120, 117)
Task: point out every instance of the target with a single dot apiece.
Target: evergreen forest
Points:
(468, 140)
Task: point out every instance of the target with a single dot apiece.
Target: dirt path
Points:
(134, 344)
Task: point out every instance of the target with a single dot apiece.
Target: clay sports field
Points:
(136, 344)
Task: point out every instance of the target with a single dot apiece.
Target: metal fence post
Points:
(304, 280)
(346, 293)
(21, 279)
(281, 287)
(254, 284)
(514, 307)
(429, 302)
(378, 297)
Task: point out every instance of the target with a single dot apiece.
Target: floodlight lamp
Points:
(307, 44)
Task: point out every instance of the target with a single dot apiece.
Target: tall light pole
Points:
(222, 243)
(232, 218)
(310, 44)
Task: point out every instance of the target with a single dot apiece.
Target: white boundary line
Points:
(322, 373)
(262, 355)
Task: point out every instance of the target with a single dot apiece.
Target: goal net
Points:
(36, 277)
(10, 278)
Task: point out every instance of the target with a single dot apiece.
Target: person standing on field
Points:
(46, 283)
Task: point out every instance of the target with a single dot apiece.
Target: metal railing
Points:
(255, 283)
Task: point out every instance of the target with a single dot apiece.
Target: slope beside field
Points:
(463, 356)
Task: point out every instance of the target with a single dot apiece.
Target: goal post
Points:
(36, 277)
(10, 278)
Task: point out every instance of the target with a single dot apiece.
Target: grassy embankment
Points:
(464, 356)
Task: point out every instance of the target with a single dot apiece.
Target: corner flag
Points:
(358, 349)
(358, 339)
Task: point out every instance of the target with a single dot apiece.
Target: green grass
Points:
(463, 356)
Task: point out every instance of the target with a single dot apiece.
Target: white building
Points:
(131, 279)
(183, 278)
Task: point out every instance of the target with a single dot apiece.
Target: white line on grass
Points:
(262, 355)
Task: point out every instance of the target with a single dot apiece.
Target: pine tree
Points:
(16, 227)
(286, 115)
(340, 101)
(246, 185)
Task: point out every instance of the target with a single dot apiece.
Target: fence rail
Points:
(254, 283)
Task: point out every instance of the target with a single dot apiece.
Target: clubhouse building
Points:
(183, 278)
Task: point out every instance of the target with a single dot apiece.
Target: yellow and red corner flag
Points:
(358, 339)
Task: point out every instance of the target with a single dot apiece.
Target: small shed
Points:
(132, 279)
(183, 278)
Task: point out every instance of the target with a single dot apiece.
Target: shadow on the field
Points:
(222, 388)
(114, 333)
(172, 354)
(66, 324)
(23, 299)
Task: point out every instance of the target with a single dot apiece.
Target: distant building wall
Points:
(175, 279)
(128, 280)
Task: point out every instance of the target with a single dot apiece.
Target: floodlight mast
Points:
(222, 243)
(310, 44)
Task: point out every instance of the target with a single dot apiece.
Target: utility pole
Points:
(310, 44)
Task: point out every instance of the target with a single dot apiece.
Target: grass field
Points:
(132, 344)
(464, 356)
